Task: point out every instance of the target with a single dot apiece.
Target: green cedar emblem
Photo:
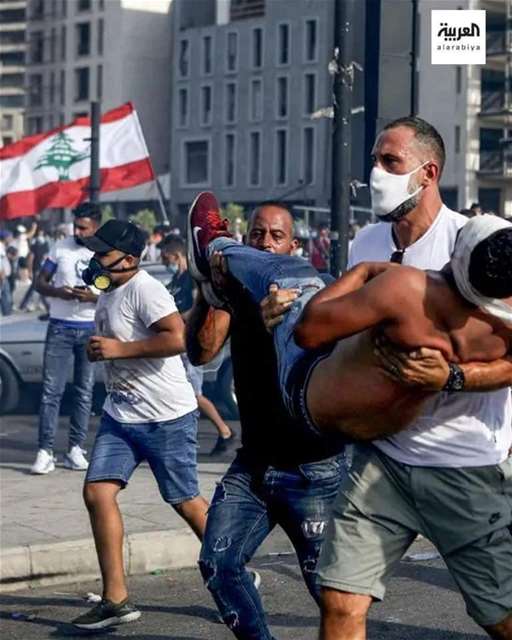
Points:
(61, 155)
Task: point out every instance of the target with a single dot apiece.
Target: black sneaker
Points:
(223, 445)
(107, 614)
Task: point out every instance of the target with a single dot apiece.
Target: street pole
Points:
(343, 70)
(95, 179)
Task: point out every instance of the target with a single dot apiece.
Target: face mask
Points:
(389, 191)
(99, 276)
(173, 268)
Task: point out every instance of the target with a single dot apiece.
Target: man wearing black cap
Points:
(71, 325)
(150, 410)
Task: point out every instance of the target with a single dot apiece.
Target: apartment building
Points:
(12, 69)
(112, 51)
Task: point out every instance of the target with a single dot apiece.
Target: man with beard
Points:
(279, 475)
(72, 307)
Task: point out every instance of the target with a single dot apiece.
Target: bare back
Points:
(348, 392)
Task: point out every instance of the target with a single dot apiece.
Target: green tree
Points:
(234, 213)
(146, 219)
(61, 155)
(107, 213)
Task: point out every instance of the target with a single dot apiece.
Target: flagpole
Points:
(161, 200)
(95, 180)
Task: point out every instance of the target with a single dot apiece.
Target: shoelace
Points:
(213, 221)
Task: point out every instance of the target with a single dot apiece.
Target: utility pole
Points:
(343, 70)
(95, 179)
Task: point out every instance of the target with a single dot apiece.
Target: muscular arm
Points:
(335, 313)
(206, 332)
(169, 340)
(488, 376)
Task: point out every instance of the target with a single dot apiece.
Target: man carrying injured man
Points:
(327, 371)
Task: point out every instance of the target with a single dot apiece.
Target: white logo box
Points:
(458, 36)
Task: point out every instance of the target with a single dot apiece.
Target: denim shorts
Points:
(169, 447)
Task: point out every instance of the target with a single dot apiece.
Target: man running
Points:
(336, 385)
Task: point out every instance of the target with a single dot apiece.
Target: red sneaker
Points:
(204, 225)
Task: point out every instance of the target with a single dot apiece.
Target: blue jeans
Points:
(63, 344)
(245, 508)
(256, 271)
(5, 297)
(170, 447)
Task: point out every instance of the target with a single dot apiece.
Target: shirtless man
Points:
(329, 377)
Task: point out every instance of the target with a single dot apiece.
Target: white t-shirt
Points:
(463, 429)
(141, 389)
(71, 259)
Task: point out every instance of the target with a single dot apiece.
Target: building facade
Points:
(472, 108)
(112, 51)
(12, 69)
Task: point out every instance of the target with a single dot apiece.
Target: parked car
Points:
(22, 340)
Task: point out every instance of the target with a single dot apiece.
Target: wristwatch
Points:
(456, 379)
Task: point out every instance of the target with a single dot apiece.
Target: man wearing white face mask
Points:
(429, 477)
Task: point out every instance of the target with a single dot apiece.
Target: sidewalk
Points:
(46, 537)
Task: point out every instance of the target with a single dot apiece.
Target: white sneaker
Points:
(45, 462)
(75, 459)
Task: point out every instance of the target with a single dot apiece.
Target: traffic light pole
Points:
(343, 71)
(95, 179)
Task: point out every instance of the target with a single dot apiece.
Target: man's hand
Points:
(99, 348)
(84, 295)
(65, 293)
(274, 306)
(426, 368)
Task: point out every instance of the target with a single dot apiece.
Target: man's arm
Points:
(334, 313)
(206, 332)
(47, 290)
(169, 340)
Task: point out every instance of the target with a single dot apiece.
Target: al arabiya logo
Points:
(454, 34)
(458, 36)
(61, 156)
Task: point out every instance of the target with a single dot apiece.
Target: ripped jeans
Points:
(245, 508)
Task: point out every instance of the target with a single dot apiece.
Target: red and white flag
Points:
(52, 169)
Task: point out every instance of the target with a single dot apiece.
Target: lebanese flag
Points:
(53, 169)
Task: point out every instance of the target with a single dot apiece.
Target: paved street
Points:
(422, 604)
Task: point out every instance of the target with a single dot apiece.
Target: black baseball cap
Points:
(116, 234)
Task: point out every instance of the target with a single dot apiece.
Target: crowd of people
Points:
(406, 356)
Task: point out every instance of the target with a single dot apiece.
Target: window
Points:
(52, 87)
(83, 39)
(35, 125)
(184, 61)
(257, 48)
(308, 155)
(232, 51)
(281, 156)
(7, 122)
(64, 8)
(62, 86)
(99, 82)
(283, 44)
(206, 106)
(310, 40)
(309, 93)
(282, 97)
(13, 59)
(207, 55)
(458, 79)
(53, 45)
(84, 5)
(7, 140)
(183, 107)
(230, 102)
(11, 101)
(254, 158)
(197, 164)
(100, 36)
(36, 90)
(37, 47)
(37, 10)
(81, 84)
(256, 100)
(229, 174)
(63, 43)
(457, 139)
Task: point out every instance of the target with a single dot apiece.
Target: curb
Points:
(39, 565)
